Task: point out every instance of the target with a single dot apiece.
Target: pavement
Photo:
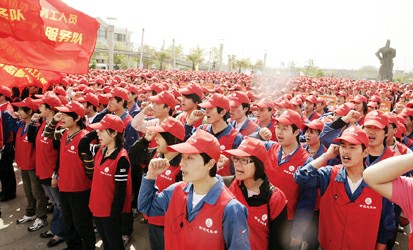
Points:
(17, 237)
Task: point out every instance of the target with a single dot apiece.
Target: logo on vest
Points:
(106, 171)
(261, 220)
(168, 172)
(367, 204)
(264, 217)
(72, 149)
(290, 170)
(26, 139)
(166, 175)
(222, 147)
(208, 223)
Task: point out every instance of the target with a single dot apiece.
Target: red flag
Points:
(46, 35)
(15, 76)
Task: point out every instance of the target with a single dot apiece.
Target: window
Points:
(102, 33)
(120, 37)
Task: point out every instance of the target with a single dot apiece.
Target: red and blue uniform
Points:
(344, 215)
(229, 138)
(218, 221)
(247, 128)
(260, 217)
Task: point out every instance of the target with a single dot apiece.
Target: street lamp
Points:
(111, 44)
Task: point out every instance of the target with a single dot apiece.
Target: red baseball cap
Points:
(392, 117)
(407, 112)
(157, 87)
(359, 99)
(133, 88)
(164, 97)
(355, 135)
(50, 99)
(103, 99)
(192, 89)
(322, 100)
(109, 121)
(59, 91)
(5, 91)
(315, 124)
(375, 98)
(90, 98)
(372, 104)
(265, 103)
(237, 98)
(216, 100)
(343, 109)
(172, 126)
(200, 142)
(250, 147)
(376, 118)
(311, 99)
(342, 93)
(290, 117)
(27, 102)
(119, 92)
(73, 106)
(401, 130)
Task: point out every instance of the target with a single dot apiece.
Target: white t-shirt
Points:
(196, 198)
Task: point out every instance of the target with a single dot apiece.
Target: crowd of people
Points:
(213, 160)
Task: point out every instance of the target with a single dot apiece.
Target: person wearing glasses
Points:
(200, 212)
(266, 204)
(348, 207)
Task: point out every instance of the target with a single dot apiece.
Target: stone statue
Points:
(386, 55)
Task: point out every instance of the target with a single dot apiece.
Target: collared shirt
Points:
(235, 214)
(310, 177)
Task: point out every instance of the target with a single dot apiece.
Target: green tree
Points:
(195, 56)
(312, 70)
(242, 63)
(161, 56)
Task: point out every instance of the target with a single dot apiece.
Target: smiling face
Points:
(376, 135)
(352, 155)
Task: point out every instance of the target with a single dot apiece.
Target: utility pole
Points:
(141, 56)
(173, 54)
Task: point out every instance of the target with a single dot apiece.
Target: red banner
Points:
(46, 35)
(15, 76)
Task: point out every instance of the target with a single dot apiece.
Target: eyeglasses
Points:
(243, 161)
